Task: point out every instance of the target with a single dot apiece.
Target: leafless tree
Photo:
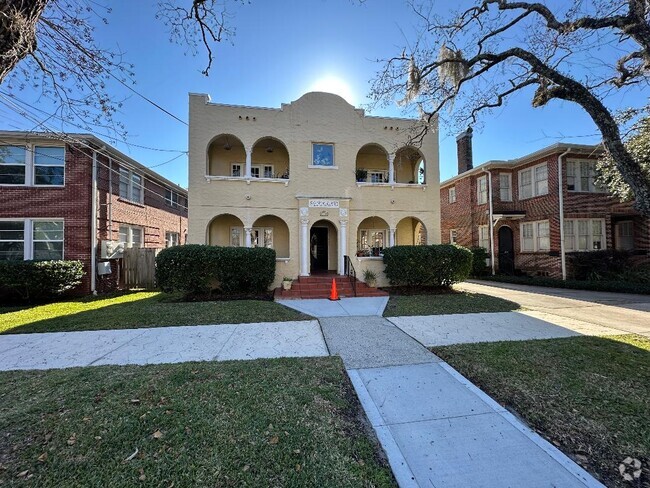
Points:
(474, 59)
(50, 45)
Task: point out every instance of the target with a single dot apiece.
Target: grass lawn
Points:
(282, 422)
(446, 303)
(139, 309)
(590, 396)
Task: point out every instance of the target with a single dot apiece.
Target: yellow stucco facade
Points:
(316, 179)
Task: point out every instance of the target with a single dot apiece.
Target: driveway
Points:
(624, 312)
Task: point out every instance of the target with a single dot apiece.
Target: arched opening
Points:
(323, 247)
(372, 164)
(372, 237)
(226, 156)
(273, 232)
(226, 230)
(409, 166)
(270, 159)
(411, 232)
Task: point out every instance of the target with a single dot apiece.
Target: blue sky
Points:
(281, 49)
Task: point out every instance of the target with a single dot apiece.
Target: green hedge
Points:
(479, 263)
(32, 281)
(198, 269)
(613, 286)
(439, 265)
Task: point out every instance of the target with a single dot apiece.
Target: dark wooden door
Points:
(318, 249)
(506, 251)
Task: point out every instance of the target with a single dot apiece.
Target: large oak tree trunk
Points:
(18, 20)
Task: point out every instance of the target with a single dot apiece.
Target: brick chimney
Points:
(464, 145)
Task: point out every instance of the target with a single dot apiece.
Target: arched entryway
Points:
(323, 247)
(506, 251)
(372, 237)
(411, 232)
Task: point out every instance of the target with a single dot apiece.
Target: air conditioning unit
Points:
(112, 249)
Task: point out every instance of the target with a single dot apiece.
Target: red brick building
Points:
(73, 200)
(537, 217)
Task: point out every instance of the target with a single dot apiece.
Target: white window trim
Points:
(535, 237)
(128, 244)
(168, 234)
(577, 177)
(478, 190)
(30, 166)
(129, 198)
(576, 234)
(241, 170)
(28, 234)
(451, 236)
(509, 176)
(385, 233)
(487, 232)
(450, 192)
(242, 235)
(533, 181)
(170, 201)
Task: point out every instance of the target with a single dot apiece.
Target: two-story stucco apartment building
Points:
(316, 179)
(542, 206)
(82, 199)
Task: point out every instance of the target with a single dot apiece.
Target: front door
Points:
(318, 249)
(506, 251)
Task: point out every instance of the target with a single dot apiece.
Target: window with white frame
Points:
(40, 240)
(453, 236)
(481, 190)
(533, 182)
(584, 234)
(535, 236)
(32, 165)
(255, 171)
(172, 239)
(377, 176)
(268, 170)
(131, 236)
(131, 186)
(581, 177)
(236, 237)
(236, 169)
(505, 187)
(624, 235)
(452, 194)
(260, 237)
(172, 198)
(372, 241)
(484, 237)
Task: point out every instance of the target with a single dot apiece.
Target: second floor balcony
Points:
(376, 166)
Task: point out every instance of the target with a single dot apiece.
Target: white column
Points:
(249, 236)
(249, 159)
(304, 247)
(391, 168)
(343, 240)
(391, 237)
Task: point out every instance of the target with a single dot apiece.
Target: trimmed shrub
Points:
(439, 265)
(605, 285)
(597, 265)
(196, 269)
(32, 281)
(479, 261)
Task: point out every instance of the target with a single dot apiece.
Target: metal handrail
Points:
(351, 273)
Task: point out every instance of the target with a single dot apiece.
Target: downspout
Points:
(93, 228)
(561, 200)
(110, 199)
(491, 220)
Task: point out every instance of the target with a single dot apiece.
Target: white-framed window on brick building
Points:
(172, 198)
(584, 234)
(535, 236)
(581, 177)
(131, 236)
(37, 239)
(453, 236)
(505, 187)
(481, 190)
(533, 182)
(484, 237)
(131, 186)
(32, 165)
(172, 239)
(452, 194)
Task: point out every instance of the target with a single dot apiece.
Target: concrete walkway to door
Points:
(436, 427)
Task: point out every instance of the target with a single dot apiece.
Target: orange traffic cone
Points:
(334, 295)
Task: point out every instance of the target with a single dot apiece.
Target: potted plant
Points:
(361, 174)
(286, 283)
(370, 278)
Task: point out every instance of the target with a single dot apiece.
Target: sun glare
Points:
(333, 84)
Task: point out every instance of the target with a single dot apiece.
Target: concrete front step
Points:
(320, 287)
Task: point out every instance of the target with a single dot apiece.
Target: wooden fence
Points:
(139, 268)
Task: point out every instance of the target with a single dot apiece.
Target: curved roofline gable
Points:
(335, 99)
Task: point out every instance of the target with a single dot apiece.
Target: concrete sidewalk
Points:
(345, 307)
(162, 345)
(436, 428)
